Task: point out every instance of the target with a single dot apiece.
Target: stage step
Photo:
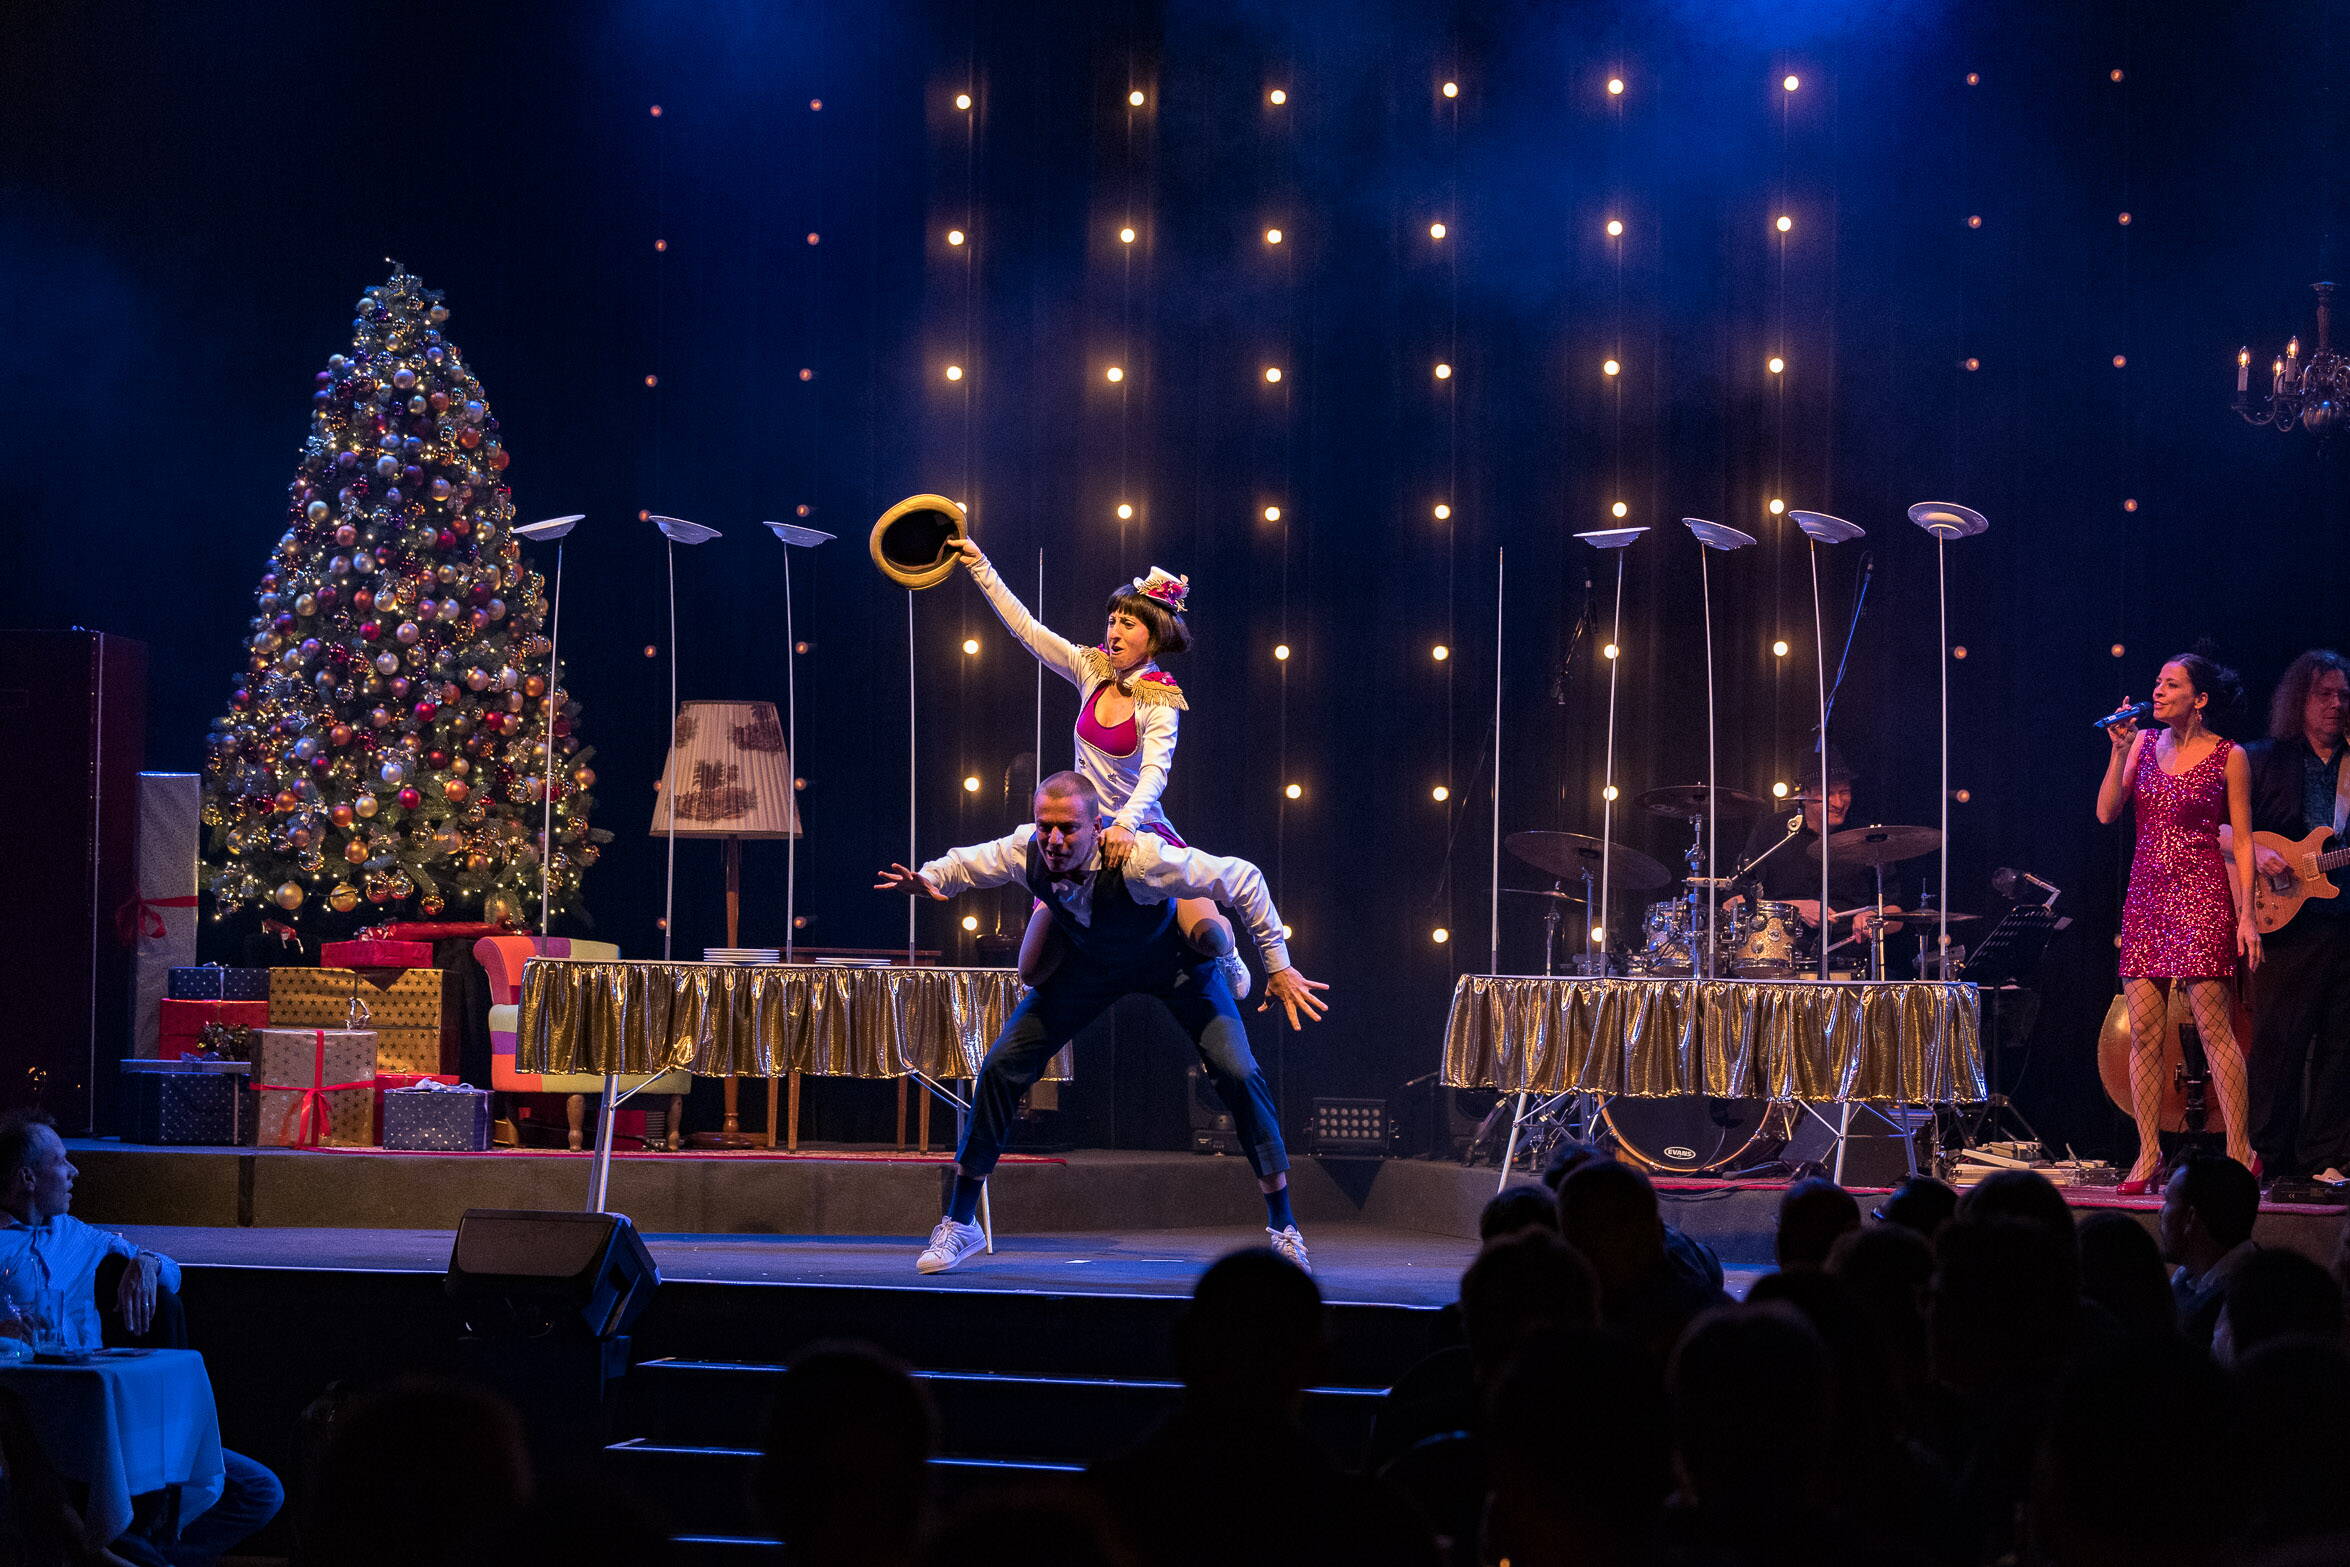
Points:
(711, 1486)
(1071, 1419)
(722, 1550)
(1014, 1332)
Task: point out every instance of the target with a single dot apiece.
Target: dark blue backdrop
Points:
(188, 210)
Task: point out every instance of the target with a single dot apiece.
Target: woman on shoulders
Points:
(1127, 719)
(2188, 915)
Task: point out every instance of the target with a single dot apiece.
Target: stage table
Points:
(124, 1424)
(772, 1020)
(1888, 1042)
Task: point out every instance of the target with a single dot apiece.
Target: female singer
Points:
(2179, 921)
(1125, 735)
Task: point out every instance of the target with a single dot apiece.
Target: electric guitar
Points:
(2276, 899)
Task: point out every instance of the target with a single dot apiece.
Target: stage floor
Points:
(1353, 1262)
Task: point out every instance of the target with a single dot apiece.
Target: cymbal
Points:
(1568, 854)
(1688, 800)
(1544, 892)
(1879, 845)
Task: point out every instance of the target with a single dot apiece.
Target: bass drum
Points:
(1694, 1134)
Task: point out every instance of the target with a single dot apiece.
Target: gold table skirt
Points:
(1892, 1042)
(727, 1020)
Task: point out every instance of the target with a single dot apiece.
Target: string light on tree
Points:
(1126, 236)
(389, 740)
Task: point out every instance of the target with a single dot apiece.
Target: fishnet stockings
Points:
(2149, 1013)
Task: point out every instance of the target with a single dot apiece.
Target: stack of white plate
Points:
(851, 962)
(742, 955)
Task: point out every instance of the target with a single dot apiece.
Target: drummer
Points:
(1791, 873)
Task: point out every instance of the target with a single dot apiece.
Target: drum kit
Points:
(1708, 930)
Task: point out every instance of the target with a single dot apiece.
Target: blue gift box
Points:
(211, 982)
(436, 1119)
(188, 1102)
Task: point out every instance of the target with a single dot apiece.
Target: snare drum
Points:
(1770, 941)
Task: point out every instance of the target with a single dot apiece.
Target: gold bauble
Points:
(288, 895)
(356, 851)
(500, 907)
(365, 805)
(585, 777)
(342, 897)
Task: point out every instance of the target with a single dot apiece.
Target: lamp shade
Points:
(728, 774)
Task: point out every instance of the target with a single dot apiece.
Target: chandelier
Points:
(2311, 395)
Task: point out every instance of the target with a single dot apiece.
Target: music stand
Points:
(2006, 958)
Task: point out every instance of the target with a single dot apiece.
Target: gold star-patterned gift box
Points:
(403, 1007)
(291, 1069)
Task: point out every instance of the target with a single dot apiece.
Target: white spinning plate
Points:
(1715, 535)
(1948, 519)
(1821, 528)
(552, 528)
(683, 532)
(793, 533)
(1610, 538)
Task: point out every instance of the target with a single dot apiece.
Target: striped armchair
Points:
(502, 958)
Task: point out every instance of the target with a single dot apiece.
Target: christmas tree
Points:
(386, 748)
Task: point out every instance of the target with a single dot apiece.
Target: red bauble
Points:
(426, 709)
(444, 540)
(362, 601)
(460, 526)
(436, 757)
(455, 790)
(498, 459)
(371, 629)
(409, 799)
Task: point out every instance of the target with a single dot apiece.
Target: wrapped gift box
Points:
(315, 1085)
(437, 1119)
(189, 1103)
(402, 1008)
(211, 982)
(158, 924)
(182, 1022)
(376, 954)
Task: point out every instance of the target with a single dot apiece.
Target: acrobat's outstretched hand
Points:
(899, 878)
(1295, 992)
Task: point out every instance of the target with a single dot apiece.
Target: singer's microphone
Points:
(2136, 712)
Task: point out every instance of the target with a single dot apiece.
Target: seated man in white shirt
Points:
(48, 1256)
(1122, 940)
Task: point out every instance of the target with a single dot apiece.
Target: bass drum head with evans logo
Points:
(1695, 1134)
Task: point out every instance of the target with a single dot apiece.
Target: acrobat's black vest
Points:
(1123, 934)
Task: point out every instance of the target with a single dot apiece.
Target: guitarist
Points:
(2300, 1066)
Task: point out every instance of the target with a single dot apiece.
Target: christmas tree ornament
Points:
(394, 590)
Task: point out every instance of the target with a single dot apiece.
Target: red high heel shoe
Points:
(2139, 1185)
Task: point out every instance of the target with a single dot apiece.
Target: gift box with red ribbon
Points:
(375, 954)
(316, 1087)
(183, 1023)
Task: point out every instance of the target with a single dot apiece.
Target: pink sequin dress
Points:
(2179, 921)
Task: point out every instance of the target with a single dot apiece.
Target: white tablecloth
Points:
(125, 1425)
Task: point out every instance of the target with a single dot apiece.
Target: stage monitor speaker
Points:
(73, 726)
(516, 1271)
(1874, 1153)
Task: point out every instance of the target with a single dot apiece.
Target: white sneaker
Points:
(949, 1244)
(1235, 974)
(1291, 1245)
